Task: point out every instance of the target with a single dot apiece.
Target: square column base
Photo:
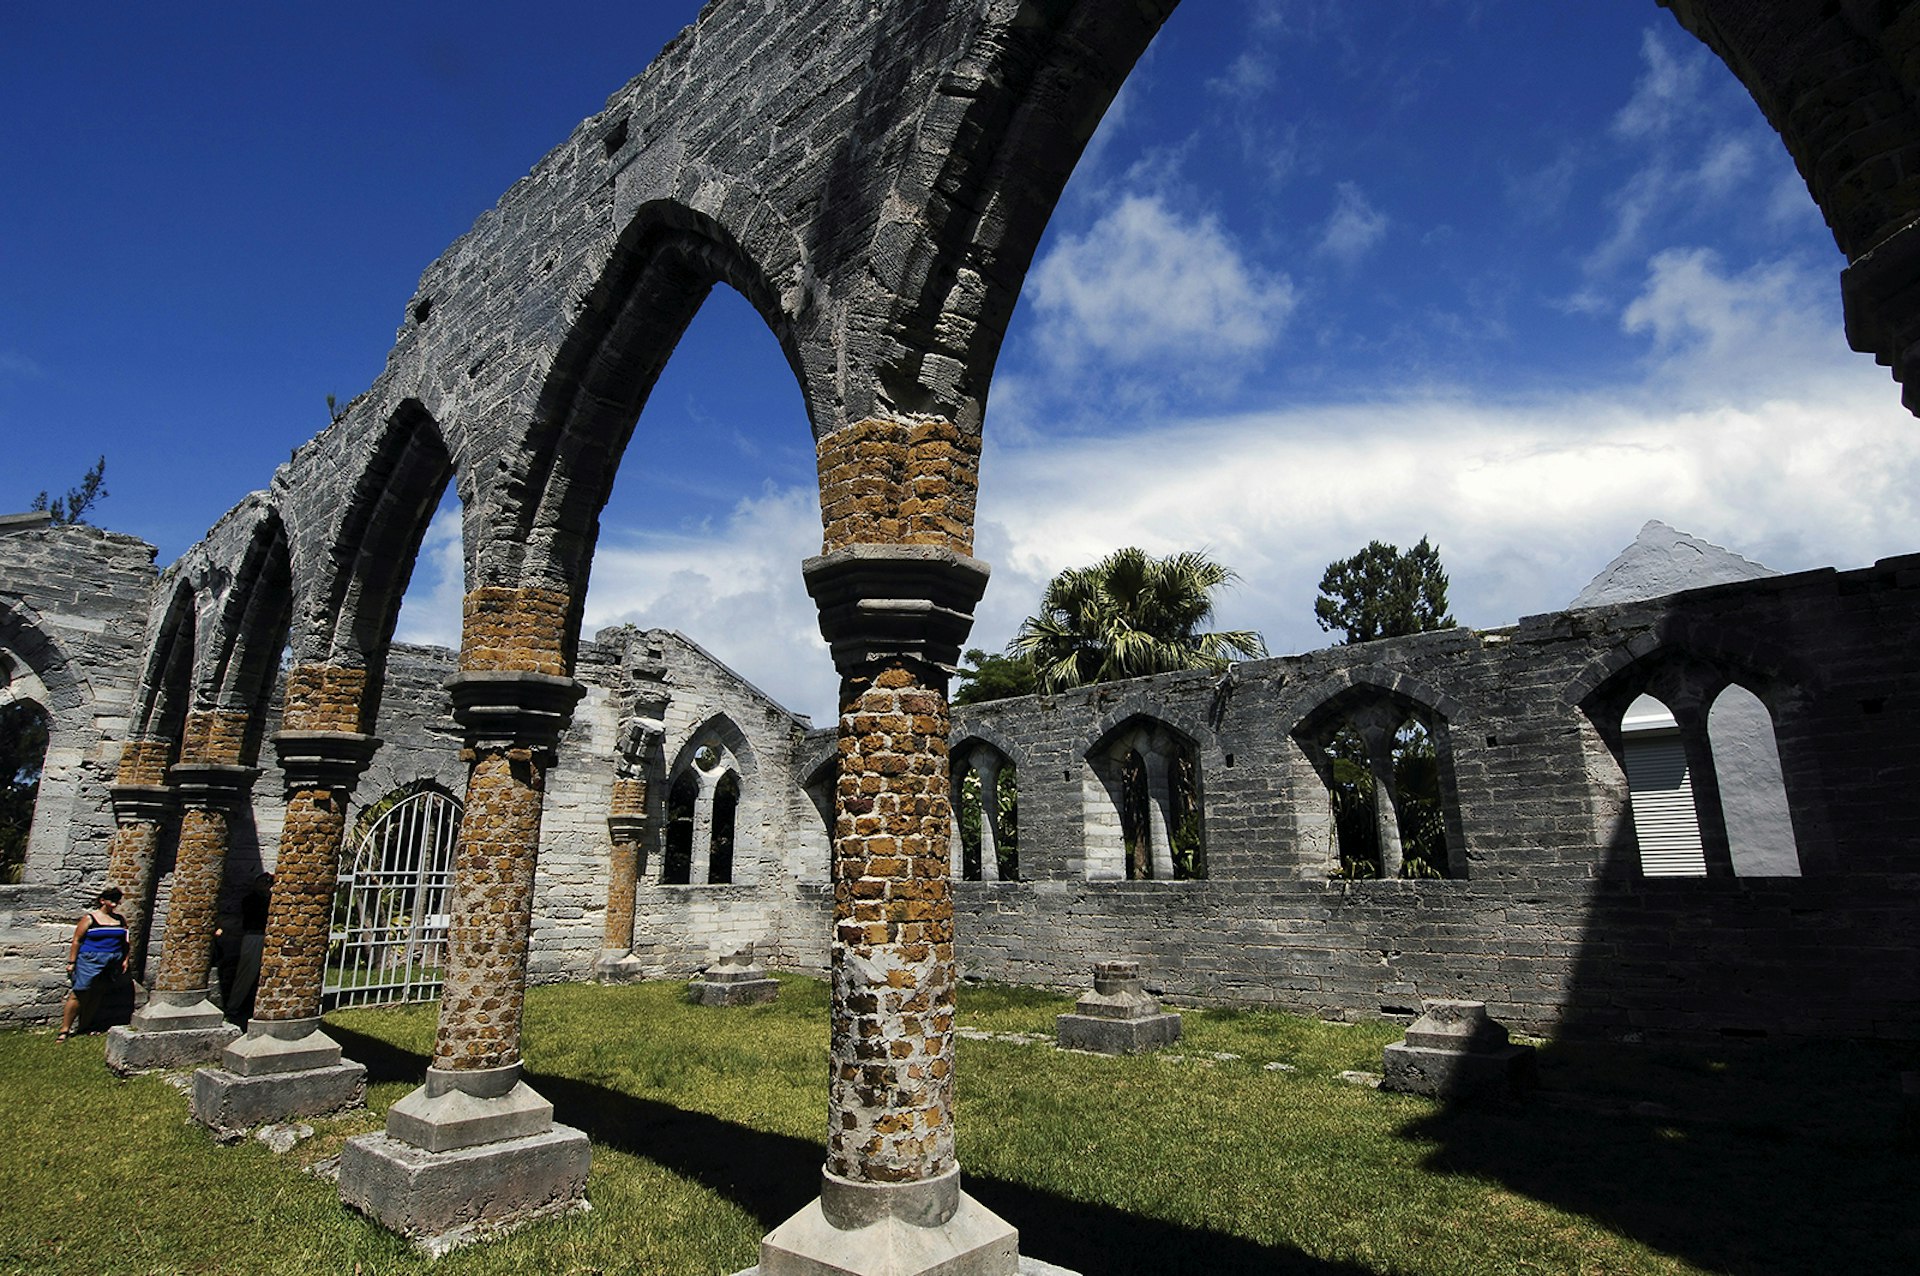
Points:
(618, 966)
(441, 1200)
(1455, 1074)
(1028, 1267)
(1117, 1036)
(741, 992)
(229, 1104)
(929, 1228)
(170, 1031)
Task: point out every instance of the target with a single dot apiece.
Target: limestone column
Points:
(895, 616)
(181, 1023)
(987, 767)
(626, 826)
(476, 1145)
(142, 804)
(1386, 821)
(1159, 811)
(286, 1066)
(701, 871)
(957, 846)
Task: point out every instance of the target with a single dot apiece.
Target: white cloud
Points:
(1354, 227)
(1711, 329)
(736, 590)
(1665, 93)
(1248, 76)
(1151, 288)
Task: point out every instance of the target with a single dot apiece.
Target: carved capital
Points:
(885, 603)
(211, 786)
(626, 828)
(506, 710)
(141, 803)
(324, 759)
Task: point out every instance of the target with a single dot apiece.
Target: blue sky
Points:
(1517, 276)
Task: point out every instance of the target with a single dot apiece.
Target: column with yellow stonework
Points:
(896, 587)
(476, 1146)
(286, 1066)
(182, 1023)
(143, 803)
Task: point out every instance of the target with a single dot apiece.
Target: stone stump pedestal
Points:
(467, 1154)
(1118, 1016)
(173, 1030)
(1456, 1050)
(734, 981)
(280, 1070)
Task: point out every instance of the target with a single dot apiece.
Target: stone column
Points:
(626, 825)
(1386, 820)
(286, 1066)
(181, 1023)
(1159, 812)
(142, 804)
(475, 1145)
(895, 617)
(987, 767)
(957, 846)
(701, 871)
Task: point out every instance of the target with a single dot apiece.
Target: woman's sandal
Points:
(61, 1038)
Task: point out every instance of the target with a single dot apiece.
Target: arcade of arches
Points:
(1198, 823)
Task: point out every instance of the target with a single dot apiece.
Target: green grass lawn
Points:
(707, 1123)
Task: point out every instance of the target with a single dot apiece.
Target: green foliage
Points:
(1384, 593)
(23, 751)
(970, 815)
(73, 507)
(1129, 615)
(992, 677)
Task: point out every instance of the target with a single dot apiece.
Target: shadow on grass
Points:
(1746, 1160)
(772, 1176)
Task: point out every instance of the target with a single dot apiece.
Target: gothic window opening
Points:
(726, 807)
(1753, 793)
(676, 867)
(23, 756)
(1383, 765)
(1666, 824)
(986, 809)
(388, 940)
(1150, 826)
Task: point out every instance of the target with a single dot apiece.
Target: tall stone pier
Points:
(895, 615)
(476, 1148)
(286, 1066)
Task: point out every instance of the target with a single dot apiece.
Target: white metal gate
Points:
(388, 941)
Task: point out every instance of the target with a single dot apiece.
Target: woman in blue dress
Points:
(97, 956)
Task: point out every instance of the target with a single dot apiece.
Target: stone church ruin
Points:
(550, 805)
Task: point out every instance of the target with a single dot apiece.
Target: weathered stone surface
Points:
(131, 1050)
(1455, 1050)
(229, 1104)
(925, 1228)
(1119, 1016)
(445, 1199)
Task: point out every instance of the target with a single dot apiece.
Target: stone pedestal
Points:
(173, 1030)
(929, 1228)
(734, 981)
(1118, 1016)
(1455, 1050)
(280, 1070)
(618, 966)
(466, 1155)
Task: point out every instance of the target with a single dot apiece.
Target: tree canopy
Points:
(72, 507)
(1128, 615)
(1382, 592)
(992, 677)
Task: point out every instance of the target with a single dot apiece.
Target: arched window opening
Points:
(1666, 826)
(986, 810)
(676, 867)
(1753, 794)
(726, 805)
(23, 756)
(1417, 803)
(1350, 790)
(388, 941)
(1152, 828)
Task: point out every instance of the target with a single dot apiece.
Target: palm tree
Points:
(1128, 615)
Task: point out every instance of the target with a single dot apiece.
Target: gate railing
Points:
(388, 939)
